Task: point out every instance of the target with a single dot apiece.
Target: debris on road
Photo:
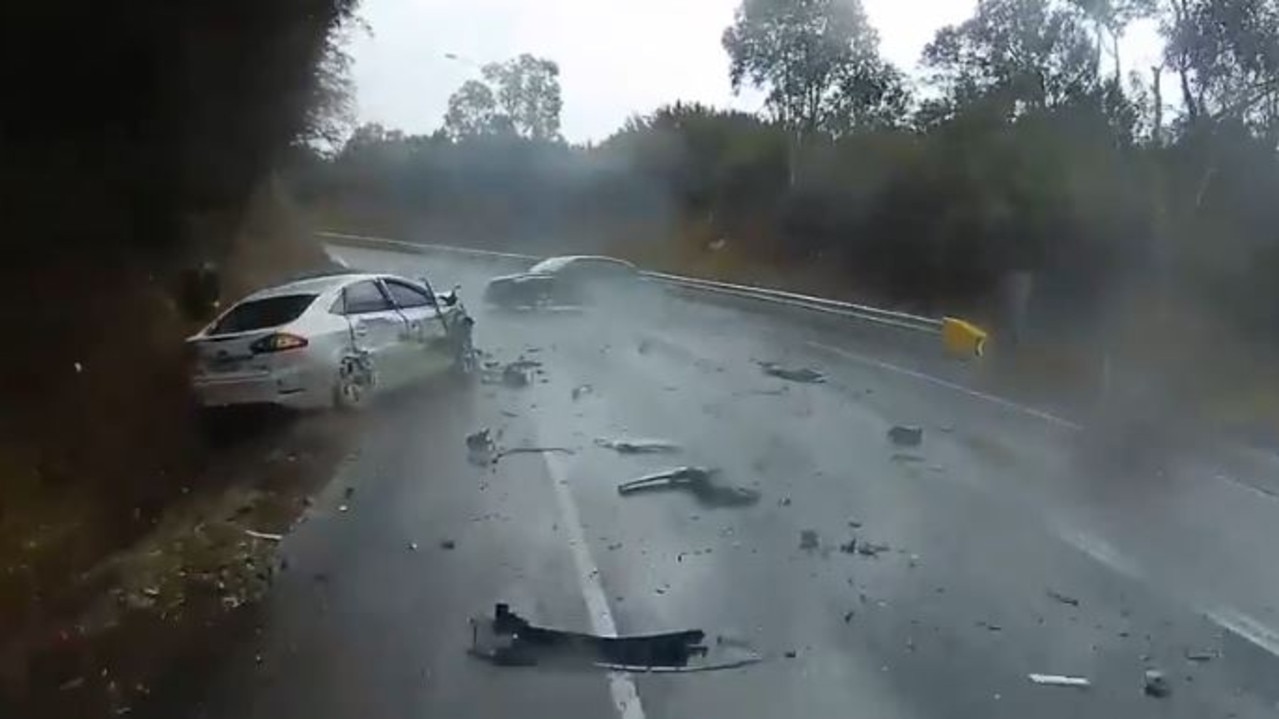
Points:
(529, 450)
(906, 457)
(871, 549)
(906, 435)
(1200, 656)
(1156, 684)
(990, 627)
(508, 639)
(412, 546)
(1058, 680)
(448, 544)
(1063, 598)
(791, 653)
(805, 375)
(638, 446)
(698, 481)
(783, 502)
(849, 547)
(809, 540)
(515, 374)
(581, 391)
(268, 536)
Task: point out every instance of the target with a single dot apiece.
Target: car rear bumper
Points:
(293, 390)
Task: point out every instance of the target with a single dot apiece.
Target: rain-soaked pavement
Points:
(875, 580)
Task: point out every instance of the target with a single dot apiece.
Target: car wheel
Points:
(353, 387)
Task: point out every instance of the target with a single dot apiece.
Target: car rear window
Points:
(263, 313)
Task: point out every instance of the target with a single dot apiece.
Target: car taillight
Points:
(278, 342)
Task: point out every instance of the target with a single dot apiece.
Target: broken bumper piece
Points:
(699, 481)
(508, 639)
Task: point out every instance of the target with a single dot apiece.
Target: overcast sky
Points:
(616, 57)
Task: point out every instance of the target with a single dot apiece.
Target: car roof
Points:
(313, 285)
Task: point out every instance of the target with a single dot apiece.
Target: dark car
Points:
(572, 281)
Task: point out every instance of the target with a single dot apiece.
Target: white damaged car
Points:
(329, 341)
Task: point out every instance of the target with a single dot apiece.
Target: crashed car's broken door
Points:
(377, 330)
(426, 342)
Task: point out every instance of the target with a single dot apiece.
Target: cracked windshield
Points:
(640, 358)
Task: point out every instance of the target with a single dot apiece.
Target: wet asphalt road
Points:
(996, 514)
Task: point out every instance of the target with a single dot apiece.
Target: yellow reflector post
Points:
(962, 338)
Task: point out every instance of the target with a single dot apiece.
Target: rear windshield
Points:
(263, 313)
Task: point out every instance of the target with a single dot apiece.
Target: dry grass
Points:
(100, 438)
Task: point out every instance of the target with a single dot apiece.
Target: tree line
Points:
(1028, 153)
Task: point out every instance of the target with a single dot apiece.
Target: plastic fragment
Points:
(638, 446)
(1156, 684)
(1059, 680)
(906, 435)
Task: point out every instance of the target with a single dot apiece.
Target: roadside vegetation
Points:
(1104, 218)
(141, 143)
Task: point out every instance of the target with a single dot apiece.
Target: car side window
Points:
(407, 296)
(364, 297)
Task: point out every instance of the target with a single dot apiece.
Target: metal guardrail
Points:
(864, 313)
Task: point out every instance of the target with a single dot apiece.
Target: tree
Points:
(1110, 18)
(818, 60)
(1019, 54)
(1226, 55)
(473, 112)
(528, 93)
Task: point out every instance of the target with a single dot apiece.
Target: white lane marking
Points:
(621, 687)
(1101, 551)
(1006, 404)
(1229, 619)
(1246, 627)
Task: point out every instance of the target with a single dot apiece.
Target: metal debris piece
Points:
(906, 458)
(342, 507)
(479, 440)
(793, 374)
(412, 546)
(1200, 656)
(581, 391)
(906, 435)
(1058, 680)
(697, 480)
(1157, 684)
(638, 446)
(809, 540)
(783, 502)
(791, 653)
(269, 536)
(507, 639)
(447, 544)
(1063, 598)
(871, 549)
(529, 450)
(849, 547)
